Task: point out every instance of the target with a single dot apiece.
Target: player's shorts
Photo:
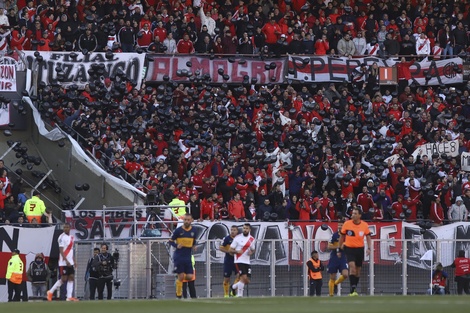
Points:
(183, 266)
(243, 269)
(229, 268)
(66, 270)
(336, 265)
(355, 255)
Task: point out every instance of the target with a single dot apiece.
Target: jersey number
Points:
(176, 210)
(31, 207)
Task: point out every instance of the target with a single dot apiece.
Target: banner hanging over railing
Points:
(76, 69)
(88, 224)
(339, 69)
(234, 68)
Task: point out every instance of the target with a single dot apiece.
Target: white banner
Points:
(4, 114)
(263, 232)
(7, 77)
(339, 69)
(445, 241)
(29, 241)
(88, 224)
(254, 68)
(450, 148)
(76, 70)
(77, 151)
(465, 161)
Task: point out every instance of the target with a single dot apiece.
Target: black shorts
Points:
(243, 269)
(355, 255)
(67, 270)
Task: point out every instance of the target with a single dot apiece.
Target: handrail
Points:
(78, 136)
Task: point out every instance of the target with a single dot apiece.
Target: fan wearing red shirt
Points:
(271, 31)
(185, 46)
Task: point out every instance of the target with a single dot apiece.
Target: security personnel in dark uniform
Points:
(92, 273)
(105, 263)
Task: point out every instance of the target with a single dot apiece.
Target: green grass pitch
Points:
(363, 304)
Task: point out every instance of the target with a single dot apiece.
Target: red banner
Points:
(168, 65)
(387, 253)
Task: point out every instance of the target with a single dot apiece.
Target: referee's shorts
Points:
(355, 255)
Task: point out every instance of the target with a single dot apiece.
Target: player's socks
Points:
(331, 286)
(235, 285)
(236, 280)
(179, 288)
(357, 280)
(56, 285)
(69, 289)
(241, 287)
(339, 280)
(352, 281)
(226, 288)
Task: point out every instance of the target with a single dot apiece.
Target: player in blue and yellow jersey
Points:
(183, 239)
(229, 264)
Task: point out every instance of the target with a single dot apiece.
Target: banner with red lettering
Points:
(388, 253)
(254, 68)
(29, 241)
(7, 77)
(339, 69)
(88, 224)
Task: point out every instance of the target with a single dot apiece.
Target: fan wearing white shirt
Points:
(243, 246)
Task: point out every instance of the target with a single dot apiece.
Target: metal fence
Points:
(145, 268)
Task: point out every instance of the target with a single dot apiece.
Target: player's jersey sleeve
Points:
(366, 229)
(62, 242)
(234, 243)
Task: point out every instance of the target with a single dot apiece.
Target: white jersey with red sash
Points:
(423, 46)
(66, 242)
(373, 49)
(436, 52)
(245, 244)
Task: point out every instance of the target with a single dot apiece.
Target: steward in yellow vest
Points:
(14, 276)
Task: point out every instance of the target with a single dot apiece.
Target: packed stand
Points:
(274, 152)
(273, 28)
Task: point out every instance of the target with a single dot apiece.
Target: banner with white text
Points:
(339, 69)
(76, 69)
(29, 241)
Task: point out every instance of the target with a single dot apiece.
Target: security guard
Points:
(177, 206)
(34, 208)
(315, 267)
(15, 276)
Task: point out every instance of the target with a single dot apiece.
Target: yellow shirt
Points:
(178, 209)
(34, 207)
(15, 270)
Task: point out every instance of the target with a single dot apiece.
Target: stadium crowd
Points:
(273, 152)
